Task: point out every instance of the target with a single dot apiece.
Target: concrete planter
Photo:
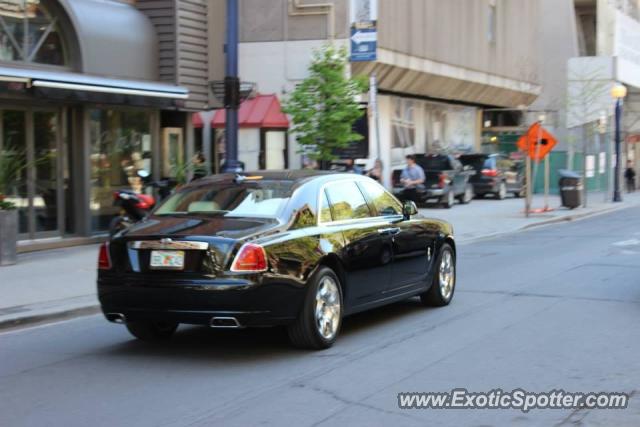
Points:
(8, 236)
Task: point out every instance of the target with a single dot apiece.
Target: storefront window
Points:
(29, 33)
(403, 129)
(120, 147)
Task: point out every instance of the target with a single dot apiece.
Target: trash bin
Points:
(571, 187)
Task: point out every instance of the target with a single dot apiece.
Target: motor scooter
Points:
(135, 206)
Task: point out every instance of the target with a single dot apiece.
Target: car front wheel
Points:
(502, 191)
(152, 331)
(319, 321)
(467, 196)
(444, 279)
(448, 200)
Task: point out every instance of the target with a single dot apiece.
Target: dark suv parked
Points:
(446, 180)
(495, 174)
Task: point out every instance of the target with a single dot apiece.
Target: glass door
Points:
(13, 153)
(31, 147)
(46, 184)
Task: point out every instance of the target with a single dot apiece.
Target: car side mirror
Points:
(409, 209)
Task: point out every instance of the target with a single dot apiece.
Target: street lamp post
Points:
(618, 92)
(231, 88)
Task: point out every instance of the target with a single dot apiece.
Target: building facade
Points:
(91, 91)
(438, 64)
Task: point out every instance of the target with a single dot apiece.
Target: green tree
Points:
(324, 106)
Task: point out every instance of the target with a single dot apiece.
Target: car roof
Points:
(295, 176)
(473, 155)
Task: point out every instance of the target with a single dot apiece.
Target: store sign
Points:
(364, 30)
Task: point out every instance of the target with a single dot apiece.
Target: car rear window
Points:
(246, 199)
(435, 163)
(477, 162)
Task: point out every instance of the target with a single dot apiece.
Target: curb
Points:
(546, 222)
(577, 216)
(42, 318)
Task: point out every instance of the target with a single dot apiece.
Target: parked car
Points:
(445, 181)
(301, 249)
(495, 174)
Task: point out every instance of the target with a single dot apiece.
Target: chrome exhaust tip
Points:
(116, 317)
(224, 322)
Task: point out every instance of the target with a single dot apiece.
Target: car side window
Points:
(325, 209)
(384, 203)
(347, 202)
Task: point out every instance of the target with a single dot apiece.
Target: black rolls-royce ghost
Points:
(295, 248)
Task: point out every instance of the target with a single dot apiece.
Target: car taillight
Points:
(490, 172)
(442, 180)
(250, 258)
(104, 259)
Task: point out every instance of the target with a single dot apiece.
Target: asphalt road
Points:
(552, 308)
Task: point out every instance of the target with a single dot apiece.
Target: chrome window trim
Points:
(367, 196)
(169, 244)
(355, 179)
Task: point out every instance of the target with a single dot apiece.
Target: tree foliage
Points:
(324, 107)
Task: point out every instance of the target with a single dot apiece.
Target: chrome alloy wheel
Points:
(447, 275)
(328, 308)
(468, 194)
(502, 192)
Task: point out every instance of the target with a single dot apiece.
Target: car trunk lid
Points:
(205, 244)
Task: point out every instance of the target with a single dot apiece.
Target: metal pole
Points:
(373, 94)
(232, 89)
(617, 197)
(546, 182)
(597, 165)
(585, 151)
(209, 153)
(527, 201)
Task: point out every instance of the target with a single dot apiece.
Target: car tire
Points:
(468, 195)
(320, 318)
(152, 331)
(448, 200)
(501, 194)
(443, 284)
(518, 194)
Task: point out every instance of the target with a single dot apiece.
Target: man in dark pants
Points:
(630, 177)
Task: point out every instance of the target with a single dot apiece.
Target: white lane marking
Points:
(630, 242)
(628, 252)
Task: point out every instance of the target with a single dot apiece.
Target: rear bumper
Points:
(484, 187)
(198, 302)
(419, 194)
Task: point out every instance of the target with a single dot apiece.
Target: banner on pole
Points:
(364, 30)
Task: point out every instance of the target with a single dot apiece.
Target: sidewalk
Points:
(60, 283)
(484, 218)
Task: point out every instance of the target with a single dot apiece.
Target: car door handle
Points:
(389, 231)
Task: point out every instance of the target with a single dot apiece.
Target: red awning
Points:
(263, 111)
(196, 120)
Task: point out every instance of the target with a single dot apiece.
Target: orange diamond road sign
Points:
(529, 142)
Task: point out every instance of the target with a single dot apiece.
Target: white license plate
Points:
(167, 259)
